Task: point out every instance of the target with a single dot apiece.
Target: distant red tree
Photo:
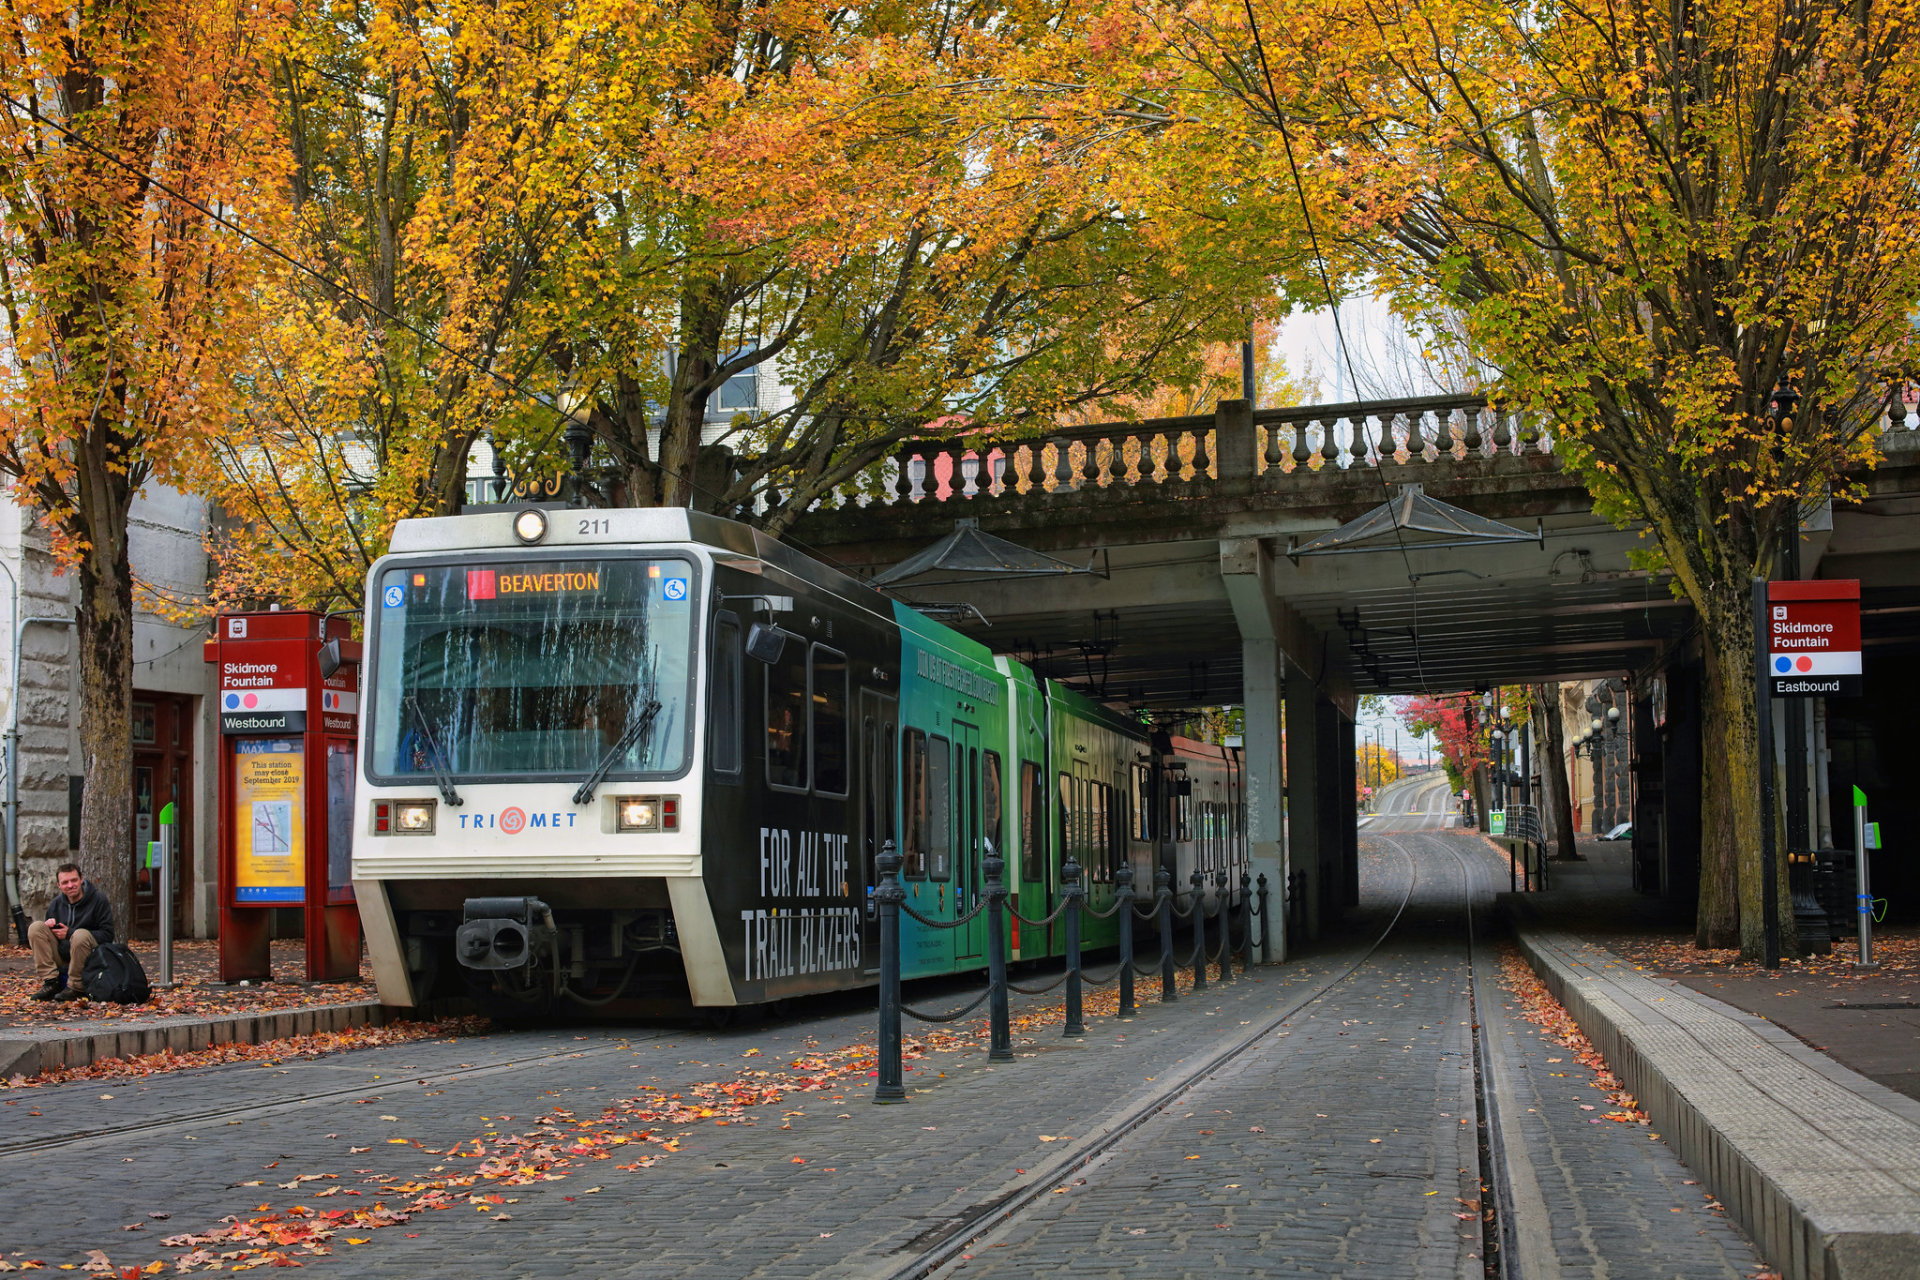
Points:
(1446, 716)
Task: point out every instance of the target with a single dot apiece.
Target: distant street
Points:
(1419, 803)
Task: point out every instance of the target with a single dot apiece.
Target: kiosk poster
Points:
(269, 783)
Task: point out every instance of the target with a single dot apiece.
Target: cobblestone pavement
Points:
(1343, 1144)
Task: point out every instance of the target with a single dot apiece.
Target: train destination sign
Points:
(1813, 639)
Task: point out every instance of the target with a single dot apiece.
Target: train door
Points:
(969, 881)
(876, 752)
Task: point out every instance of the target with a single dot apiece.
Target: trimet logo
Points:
(512, 820)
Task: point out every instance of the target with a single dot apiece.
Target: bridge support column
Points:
(1291, 823)
(1262, 663)
(1309, 770)
(1345, 884)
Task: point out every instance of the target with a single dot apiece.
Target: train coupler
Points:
(505, 933)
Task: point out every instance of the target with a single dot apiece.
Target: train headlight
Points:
(413, 817)
(530, 525)
(646, 813)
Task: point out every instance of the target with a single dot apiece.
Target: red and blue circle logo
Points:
(513, 820)
(1787, 666)
(242, 701)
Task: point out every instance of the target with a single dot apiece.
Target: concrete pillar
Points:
(1308, 785)
(1265, 780)
(1235, 448)
(1289, 825)
(1346, 818)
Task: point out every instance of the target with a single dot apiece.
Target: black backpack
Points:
(113, 973)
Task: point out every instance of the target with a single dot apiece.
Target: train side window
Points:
(913, 860)
(991, 807)
(1033, 833)
(1067, 831)
(939, 811)
(724, 714)
(829, 721)
(787, 721)
(1141, 798)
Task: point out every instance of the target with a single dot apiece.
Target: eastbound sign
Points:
(1813, 639)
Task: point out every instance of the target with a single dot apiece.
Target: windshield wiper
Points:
(442, 776)
(641, 723)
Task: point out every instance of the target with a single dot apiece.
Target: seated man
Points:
(78, 919)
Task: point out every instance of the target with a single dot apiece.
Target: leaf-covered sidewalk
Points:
(197, 991)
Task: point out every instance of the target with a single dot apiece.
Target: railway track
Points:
(949, 1246)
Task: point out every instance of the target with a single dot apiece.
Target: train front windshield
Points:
(531, 668)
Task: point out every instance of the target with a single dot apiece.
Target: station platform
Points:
(1793, 1094)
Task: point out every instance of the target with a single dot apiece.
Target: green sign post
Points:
(164, 849)
(1861, 886)
(1497, 822)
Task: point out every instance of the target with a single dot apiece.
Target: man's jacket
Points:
(93, 912)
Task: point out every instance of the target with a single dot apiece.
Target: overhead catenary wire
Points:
(1326, 284)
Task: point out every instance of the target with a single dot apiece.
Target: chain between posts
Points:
(996, 905)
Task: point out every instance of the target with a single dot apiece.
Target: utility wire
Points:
(1340, 337)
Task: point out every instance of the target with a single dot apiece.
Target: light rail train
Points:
(645, 760)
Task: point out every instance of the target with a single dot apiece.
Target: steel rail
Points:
(997, 1212)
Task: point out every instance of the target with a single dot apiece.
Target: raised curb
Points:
(29, 1055)
(1820, 1165)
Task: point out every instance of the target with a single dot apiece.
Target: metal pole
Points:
(1266, 926)
(1000, 1047)
(1226, 925)
(1123, 903)
(167, 831)
(1861, 887)
(1246, 922)
(888, 898)
(1070, 889)
(1763, 707)
(1199, 881)
(1163, 899)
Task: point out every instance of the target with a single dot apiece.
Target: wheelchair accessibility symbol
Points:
(674, 588)
(394, 596)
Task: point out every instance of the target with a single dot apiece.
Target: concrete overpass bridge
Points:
(1209, 586)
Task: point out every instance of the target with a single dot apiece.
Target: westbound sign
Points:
(1813, 639)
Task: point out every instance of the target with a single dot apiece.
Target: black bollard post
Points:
(1199, 883)
(1246, 919)
(888, 897)
(1000, 1048)
(1266, 924)
(1123, 913)
(1225, 901)
(1070, 889)
(1163, 908)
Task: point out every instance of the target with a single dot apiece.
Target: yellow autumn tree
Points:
(126, 126)
(1689, 235)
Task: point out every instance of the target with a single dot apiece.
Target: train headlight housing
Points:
(413, 817)
(403, 817)
(646, 813)
(530, 525)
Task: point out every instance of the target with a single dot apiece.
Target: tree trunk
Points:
(1732, 909)
(105, 618)
(1553, 778)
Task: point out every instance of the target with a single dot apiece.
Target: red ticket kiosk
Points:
(288, 693)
